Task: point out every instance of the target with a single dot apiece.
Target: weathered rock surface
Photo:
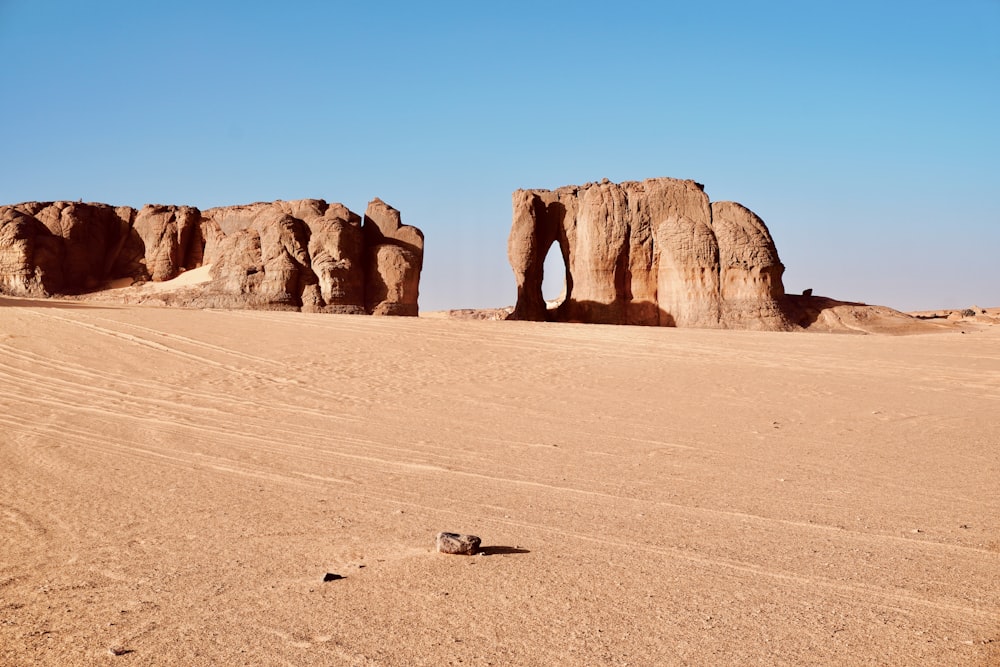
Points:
(303, 254)
(456, 543)
(655, 252)
(396, 259)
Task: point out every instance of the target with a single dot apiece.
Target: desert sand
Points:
(176, 485)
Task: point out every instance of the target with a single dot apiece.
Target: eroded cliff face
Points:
(303, 254)
(655, 252)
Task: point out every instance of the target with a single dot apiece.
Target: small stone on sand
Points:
(455, 543)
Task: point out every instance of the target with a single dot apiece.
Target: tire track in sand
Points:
(712, 562)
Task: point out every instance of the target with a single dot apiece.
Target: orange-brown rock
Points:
(303, 254)
(655, 252)
(45, 247)
(751, 293)
(396, 255)
(171, 238)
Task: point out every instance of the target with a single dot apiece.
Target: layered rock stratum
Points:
(655, 252)
(293, 255)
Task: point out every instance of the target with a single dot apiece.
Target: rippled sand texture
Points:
(175, 486)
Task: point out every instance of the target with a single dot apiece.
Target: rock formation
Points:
(655, 252)
(396, 253)
(304, 254)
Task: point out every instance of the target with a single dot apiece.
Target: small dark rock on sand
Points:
(455, 543)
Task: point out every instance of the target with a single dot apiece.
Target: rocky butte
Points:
(285, 255)
(655, 252)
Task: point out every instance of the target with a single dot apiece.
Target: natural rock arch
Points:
(655, 252)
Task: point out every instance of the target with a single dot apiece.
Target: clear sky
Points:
(864, 133)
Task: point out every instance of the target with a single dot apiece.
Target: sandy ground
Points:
(175, 485)
(190, 278)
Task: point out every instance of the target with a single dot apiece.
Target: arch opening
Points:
(555, 277)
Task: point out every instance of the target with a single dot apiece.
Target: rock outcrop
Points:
(303, 254)
(655, 252)
(396, 256)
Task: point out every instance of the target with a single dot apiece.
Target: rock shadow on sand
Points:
(502, 551)
(27, 302)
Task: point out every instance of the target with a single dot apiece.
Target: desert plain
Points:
(203, 487)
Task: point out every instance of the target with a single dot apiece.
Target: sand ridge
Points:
(175, 484)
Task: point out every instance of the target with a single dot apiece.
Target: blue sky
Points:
(865, 134)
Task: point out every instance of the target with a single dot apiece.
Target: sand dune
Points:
(176, 484)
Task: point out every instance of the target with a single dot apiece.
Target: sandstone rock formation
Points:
(396, 255)
(303, 254)
(655, 252)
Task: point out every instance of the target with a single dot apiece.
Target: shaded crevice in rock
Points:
(304, 254)
(655, 252)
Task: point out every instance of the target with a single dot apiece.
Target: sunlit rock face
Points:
(654, 252)
(297, 255)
